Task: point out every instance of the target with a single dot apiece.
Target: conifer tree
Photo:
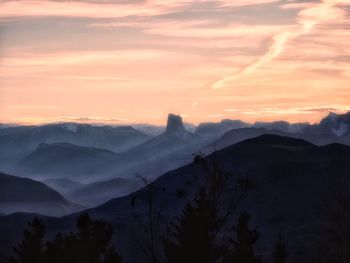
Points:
(279, 253)
(195, 236)
(192, 238)
(31, 248)
(90, 245)
(242, 248)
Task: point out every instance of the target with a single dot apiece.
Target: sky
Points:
(134, 61)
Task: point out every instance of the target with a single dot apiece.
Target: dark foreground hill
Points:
(26, 195)
(290, 182)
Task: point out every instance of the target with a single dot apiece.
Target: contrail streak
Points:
(307, 19)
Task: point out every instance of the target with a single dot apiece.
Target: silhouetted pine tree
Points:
(195, 235)
(89, 245)
(242, 248)
(192, 238)
(30, 250)
(279, 253)
(111, 256)
(58, 250)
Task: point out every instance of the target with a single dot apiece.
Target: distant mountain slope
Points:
(211, 129)
(66, 160)
(220, 128)
(334, 128)
(166, 151)
(172, 148)
(312, 135)
(63, 185)
(337, 125)
(173, 138)
(96, 193)
(237, 135)
(17, 142)
(288, 177)
(149, 129)
(26, 195)
(169, 150)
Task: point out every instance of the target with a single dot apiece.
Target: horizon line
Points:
(119, 121)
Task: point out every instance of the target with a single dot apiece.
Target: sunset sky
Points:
(120, 61)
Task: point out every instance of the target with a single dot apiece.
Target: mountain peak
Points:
(175, 125)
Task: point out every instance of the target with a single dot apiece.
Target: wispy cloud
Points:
(109, 9)
(231, 110)
(307, 18)
(64, 58)
(36, 107)
(95, 78)
(45, 8)
(215, 115)
(299, 110)
(79, 119)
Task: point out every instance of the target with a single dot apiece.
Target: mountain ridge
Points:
(24, 194)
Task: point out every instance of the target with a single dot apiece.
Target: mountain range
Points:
(66, 160)
(18, 141)
(149, 159)
(289, 182)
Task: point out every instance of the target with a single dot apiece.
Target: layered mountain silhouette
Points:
(289, 181)
(63, 185)
(332, 128)
(73, 161)
(66, 160)
(169, 150)
(237, 135)
(96, 193)
(333, 125)
(19, 194)
(211, 129)
(173, 138)
(19, 141)
(172, 148)
(282, 126)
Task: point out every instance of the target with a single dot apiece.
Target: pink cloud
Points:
(46, 8)
(307, 19)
